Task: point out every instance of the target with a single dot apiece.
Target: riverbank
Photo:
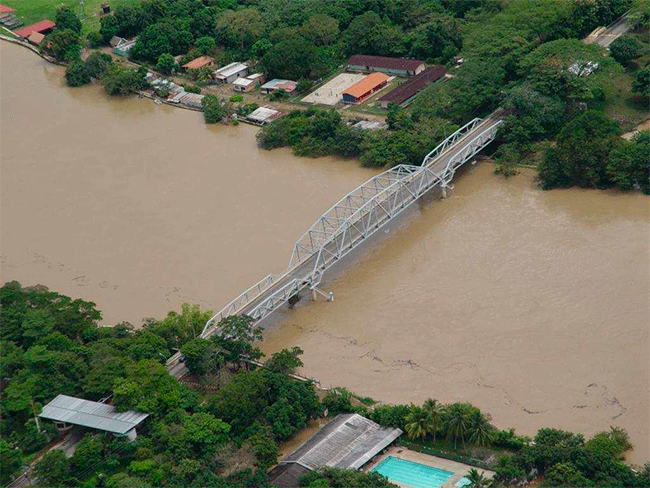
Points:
(141, 207)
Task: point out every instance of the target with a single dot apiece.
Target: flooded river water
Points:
(532, 305)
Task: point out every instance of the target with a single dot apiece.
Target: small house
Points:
(276, 84)
(230, 73)
(249, 83)
(35, 38)
(263, 115)
(364, 88)
(200, 62)
(383, 64)
(123, 48)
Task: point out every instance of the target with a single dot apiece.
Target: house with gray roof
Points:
(65, 410)
(348, 442)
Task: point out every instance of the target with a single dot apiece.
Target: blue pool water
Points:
(412, 474)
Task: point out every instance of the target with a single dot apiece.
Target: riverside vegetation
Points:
(520, 55)
(51, 344)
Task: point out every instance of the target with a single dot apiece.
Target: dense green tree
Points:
(641, 83)
(240, 28)
(345, 478)
(338, 400)
(596, 136)
(108, 27)
(439, 39)
(458, 422)
(97, 63)
(321, 29)
(285, 361)
(292, 59)
(625, 48)
(67, 19)
(163, 37)
(204, 433)
(565, 474)
(119, 80)
(205, 45)
(10, 460)
(129, 19)
(63, 44)
(202, 356)
(213, 109)
(417, 423)
(627, 165)
(434, 411)
(53, 468)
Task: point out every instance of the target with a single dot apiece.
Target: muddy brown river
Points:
(535, 306)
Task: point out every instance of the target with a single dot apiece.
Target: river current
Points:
(534, 306)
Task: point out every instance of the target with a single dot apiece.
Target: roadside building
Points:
(364, 88)
(347, 442)
(8, 17)
(43, 27)
(277, 84)
(200, 62)
(66, 410)
(249, 83)
(406, 92)
(35, 38)
(230, 73)
(263, 115)
(383, 64)
(6, 9)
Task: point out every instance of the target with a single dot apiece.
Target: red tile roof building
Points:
(199, 62)
(35, 38)
(406, 91)
(44, 27)
(364, 88)
(4, 9)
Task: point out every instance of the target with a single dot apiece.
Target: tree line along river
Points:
(532, 305)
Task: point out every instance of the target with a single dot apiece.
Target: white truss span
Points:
(356, 217)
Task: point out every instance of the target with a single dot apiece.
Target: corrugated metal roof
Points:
(385, 62)
(369, 83)
(414, 85)
(96, 415)
(230, 69)
(277, 84)
(348, 441)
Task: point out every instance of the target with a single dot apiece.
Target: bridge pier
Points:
(444, 191)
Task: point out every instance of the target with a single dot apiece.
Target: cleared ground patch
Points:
(330, 92)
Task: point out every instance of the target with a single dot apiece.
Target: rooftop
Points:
(367, 84)
(263, 115)
(6, 9)
(36, 38)
(230, 69)
(277, 84)
(198, 63)
(348, 441)
(414, 85)
(385, 62)
(96, 415)
(40, 26)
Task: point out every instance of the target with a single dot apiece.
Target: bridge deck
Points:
(352, 220)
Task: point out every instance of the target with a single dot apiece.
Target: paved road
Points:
(605, 36)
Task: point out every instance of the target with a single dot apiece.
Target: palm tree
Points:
(476, 479)
(417, 423)
(434, 411)
(457, 422)
(480, 432)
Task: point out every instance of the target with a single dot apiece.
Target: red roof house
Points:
(4, 9)
(43, 27)
(35, 38)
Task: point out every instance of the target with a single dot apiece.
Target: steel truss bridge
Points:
(353, 219)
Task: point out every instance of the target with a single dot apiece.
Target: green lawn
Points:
(30, 11)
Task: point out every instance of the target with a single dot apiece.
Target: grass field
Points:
(30, 11)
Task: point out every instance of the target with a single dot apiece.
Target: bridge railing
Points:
(238, 303)
(451, 140)
(273, 301)
(474, 146)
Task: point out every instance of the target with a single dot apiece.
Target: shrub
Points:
(191, 88)
(236, 98)
(122, 81)
(166, 64)
(76, 74)
(94, 39)
(213, 110)
(625, 48)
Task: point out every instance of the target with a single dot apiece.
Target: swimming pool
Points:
(411, 473)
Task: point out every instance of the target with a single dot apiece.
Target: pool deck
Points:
(457, 468)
